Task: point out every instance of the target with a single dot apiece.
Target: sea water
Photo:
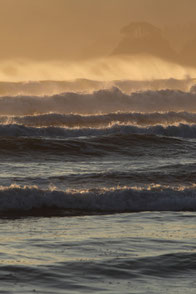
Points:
(97, 188)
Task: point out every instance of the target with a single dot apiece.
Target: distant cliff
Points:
(144, 38)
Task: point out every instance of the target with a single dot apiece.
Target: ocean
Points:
(98, 186)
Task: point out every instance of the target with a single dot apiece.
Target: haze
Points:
(53, 31)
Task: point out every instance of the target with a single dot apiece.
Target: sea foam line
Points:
(101, 120)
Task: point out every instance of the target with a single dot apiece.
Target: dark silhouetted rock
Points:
(146, 39)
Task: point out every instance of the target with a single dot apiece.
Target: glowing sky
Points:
(55, 29)
(65, 39)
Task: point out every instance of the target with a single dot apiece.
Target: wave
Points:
(72, 147)
(104, 120)
(181, 131)
(39, 88)
(102, 101)
(175, 174)
(24, 199)
(118, 144)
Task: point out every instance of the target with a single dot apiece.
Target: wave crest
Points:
(102, 120)
(102, 101)
(181, 131)
(16, 198)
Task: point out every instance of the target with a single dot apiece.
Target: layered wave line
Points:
(16, 198)
(127, 144)
(102, 101)
(49, 87)
(101, 120)
(181, 131)
(175, 174)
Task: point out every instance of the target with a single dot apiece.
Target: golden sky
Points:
(72, 29)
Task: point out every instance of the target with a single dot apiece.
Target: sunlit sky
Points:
(39, 37)
(55, 29)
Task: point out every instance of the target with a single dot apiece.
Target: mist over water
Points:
(138, 67)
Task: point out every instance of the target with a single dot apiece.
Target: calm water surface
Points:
(120, 253)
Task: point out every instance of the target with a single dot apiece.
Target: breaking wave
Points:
(49, 87)
(16, 198)
(182, 131)
(100, 102)
(76, 120)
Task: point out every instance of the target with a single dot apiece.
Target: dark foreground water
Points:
(121, 253)
(98, 191)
